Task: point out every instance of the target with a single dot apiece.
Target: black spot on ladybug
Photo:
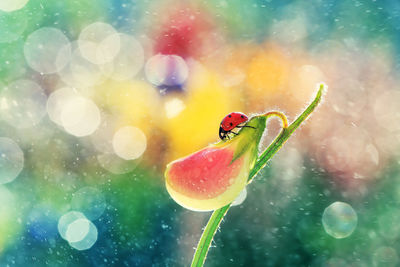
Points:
(230, 116)
(242, 116)
(230, 124)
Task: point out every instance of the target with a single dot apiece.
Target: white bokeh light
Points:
(99, 43)
(79, 72)
(129, 142)
(11, 160)
(173, 107)
(66, 220)
(80, 116)
(88, 240)
(12, 5)
(43, 46)
(22, 104)
(129, 60)
(77, 230)
(57, 101)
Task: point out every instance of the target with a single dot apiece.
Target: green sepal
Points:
(248, 138)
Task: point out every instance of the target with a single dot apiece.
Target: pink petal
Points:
(204, 174)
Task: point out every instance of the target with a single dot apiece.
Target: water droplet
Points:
(339, 220)
(240, 198)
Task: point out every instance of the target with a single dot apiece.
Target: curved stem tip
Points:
(278, 114)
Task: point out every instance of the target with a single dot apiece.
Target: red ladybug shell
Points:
(232, 120)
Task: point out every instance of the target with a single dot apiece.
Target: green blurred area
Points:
(346, 152)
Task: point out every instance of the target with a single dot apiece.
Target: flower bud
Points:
(214, 176)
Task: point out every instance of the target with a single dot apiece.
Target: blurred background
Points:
(97, 96)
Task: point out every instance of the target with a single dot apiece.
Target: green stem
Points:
(217, 216)
(208, 234)
(284, 135)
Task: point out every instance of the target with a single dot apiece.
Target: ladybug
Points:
(230, 122)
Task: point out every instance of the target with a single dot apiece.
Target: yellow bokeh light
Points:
(268, 71)
(134, 102)
(207, 102)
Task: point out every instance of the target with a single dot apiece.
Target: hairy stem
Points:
(208, 234)
(285, 134)
(217, 216)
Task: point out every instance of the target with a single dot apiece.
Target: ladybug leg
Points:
(245, 126)
(231, 132)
